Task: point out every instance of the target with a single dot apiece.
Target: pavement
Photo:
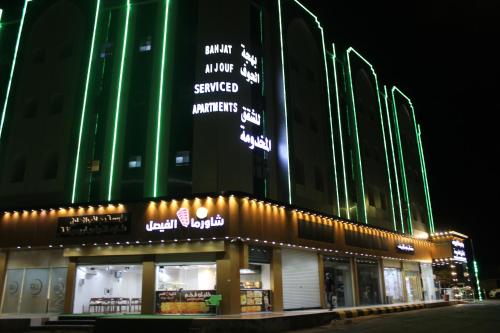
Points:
(480, 317)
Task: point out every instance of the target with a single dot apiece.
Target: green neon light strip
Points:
(382, 128)
(476, 274)
(1, 13)
(13, 67)
(401, 157)
(160, 98)
(394, 160)
(85, 97)
(118, 103)
(327, 77)
(346, 193)
(388, 165)
(426, 184)
(284, 102)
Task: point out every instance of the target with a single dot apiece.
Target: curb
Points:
(345, 314)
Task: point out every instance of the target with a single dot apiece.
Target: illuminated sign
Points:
(183, 220)
(405, 248)
(230, 73)
(458, 249)
(90, 225)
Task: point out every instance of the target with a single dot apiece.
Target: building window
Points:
(51, 167)
(135, 162)
(106, 50)
(18, 170)
(313, 124)
(371, 197)
(57, 104)
(66, 50)
(145, 45)
(297, 114)
(182, 158)
(318, 179)
(383, 201)
(31, 108)
(300, 176)
(38, 55)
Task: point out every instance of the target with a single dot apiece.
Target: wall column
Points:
(70, 286)
(276, 281)
(3, 271)
(382, 281)
(321, 269)
(355, 284)
(148, 285)
(228, 279)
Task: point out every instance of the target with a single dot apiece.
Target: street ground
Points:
(481, 317)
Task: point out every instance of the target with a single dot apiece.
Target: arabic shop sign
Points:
(231, 72)
(92, 225)
(183, 221)
(458, 249)
(405, 248)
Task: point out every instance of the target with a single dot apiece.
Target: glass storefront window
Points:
(35, 290)
(182, 289)
(393, 285)
(413, 286)
(255, 285)
(428, 282)
(108, 289)
(339, 270)
(368, 282)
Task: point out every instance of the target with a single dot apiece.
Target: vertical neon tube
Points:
(118, 103)
(401, 159)
(160, 98)
(13, 67)
(85, 99)
(346, 193)
(394, 159)
(285, 102)
(476, 274)
(426, 184)
(358, 148)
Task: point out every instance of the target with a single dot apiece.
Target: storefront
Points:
(168, 257)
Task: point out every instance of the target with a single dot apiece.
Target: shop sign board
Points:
(405, 248)
(182, 301)
(458, 249)
(92, 225)
(198, 225)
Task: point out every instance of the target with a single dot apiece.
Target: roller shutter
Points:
(300, 279)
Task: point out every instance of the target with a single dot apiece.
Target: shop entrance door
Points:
(413, 288)
(339, 270)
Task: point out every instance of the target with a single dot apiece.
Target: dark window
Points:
(383, 201)
(18, 170)
(66, 50)
(300, 176)
(310, 75)
(51, 167)
(107, 50)
(38, 55)
(31, 108)
(182, 158)
(313, 124)
(371, 197)
(316, 231)
(297, 114)
(318, 179)
(294, 65)
(57, 104)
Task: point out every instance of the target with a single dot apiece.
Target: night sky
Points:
(444, 55)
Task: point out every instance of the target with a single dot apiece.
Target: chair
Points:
(135, 305)
(213, 302)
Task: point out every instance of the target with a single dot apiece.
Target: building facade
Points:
(154, 153)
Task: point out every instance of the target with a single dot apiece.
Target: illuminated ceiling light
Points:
(189, 239)
(150, 242)
(106, 244)
(175, 240)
